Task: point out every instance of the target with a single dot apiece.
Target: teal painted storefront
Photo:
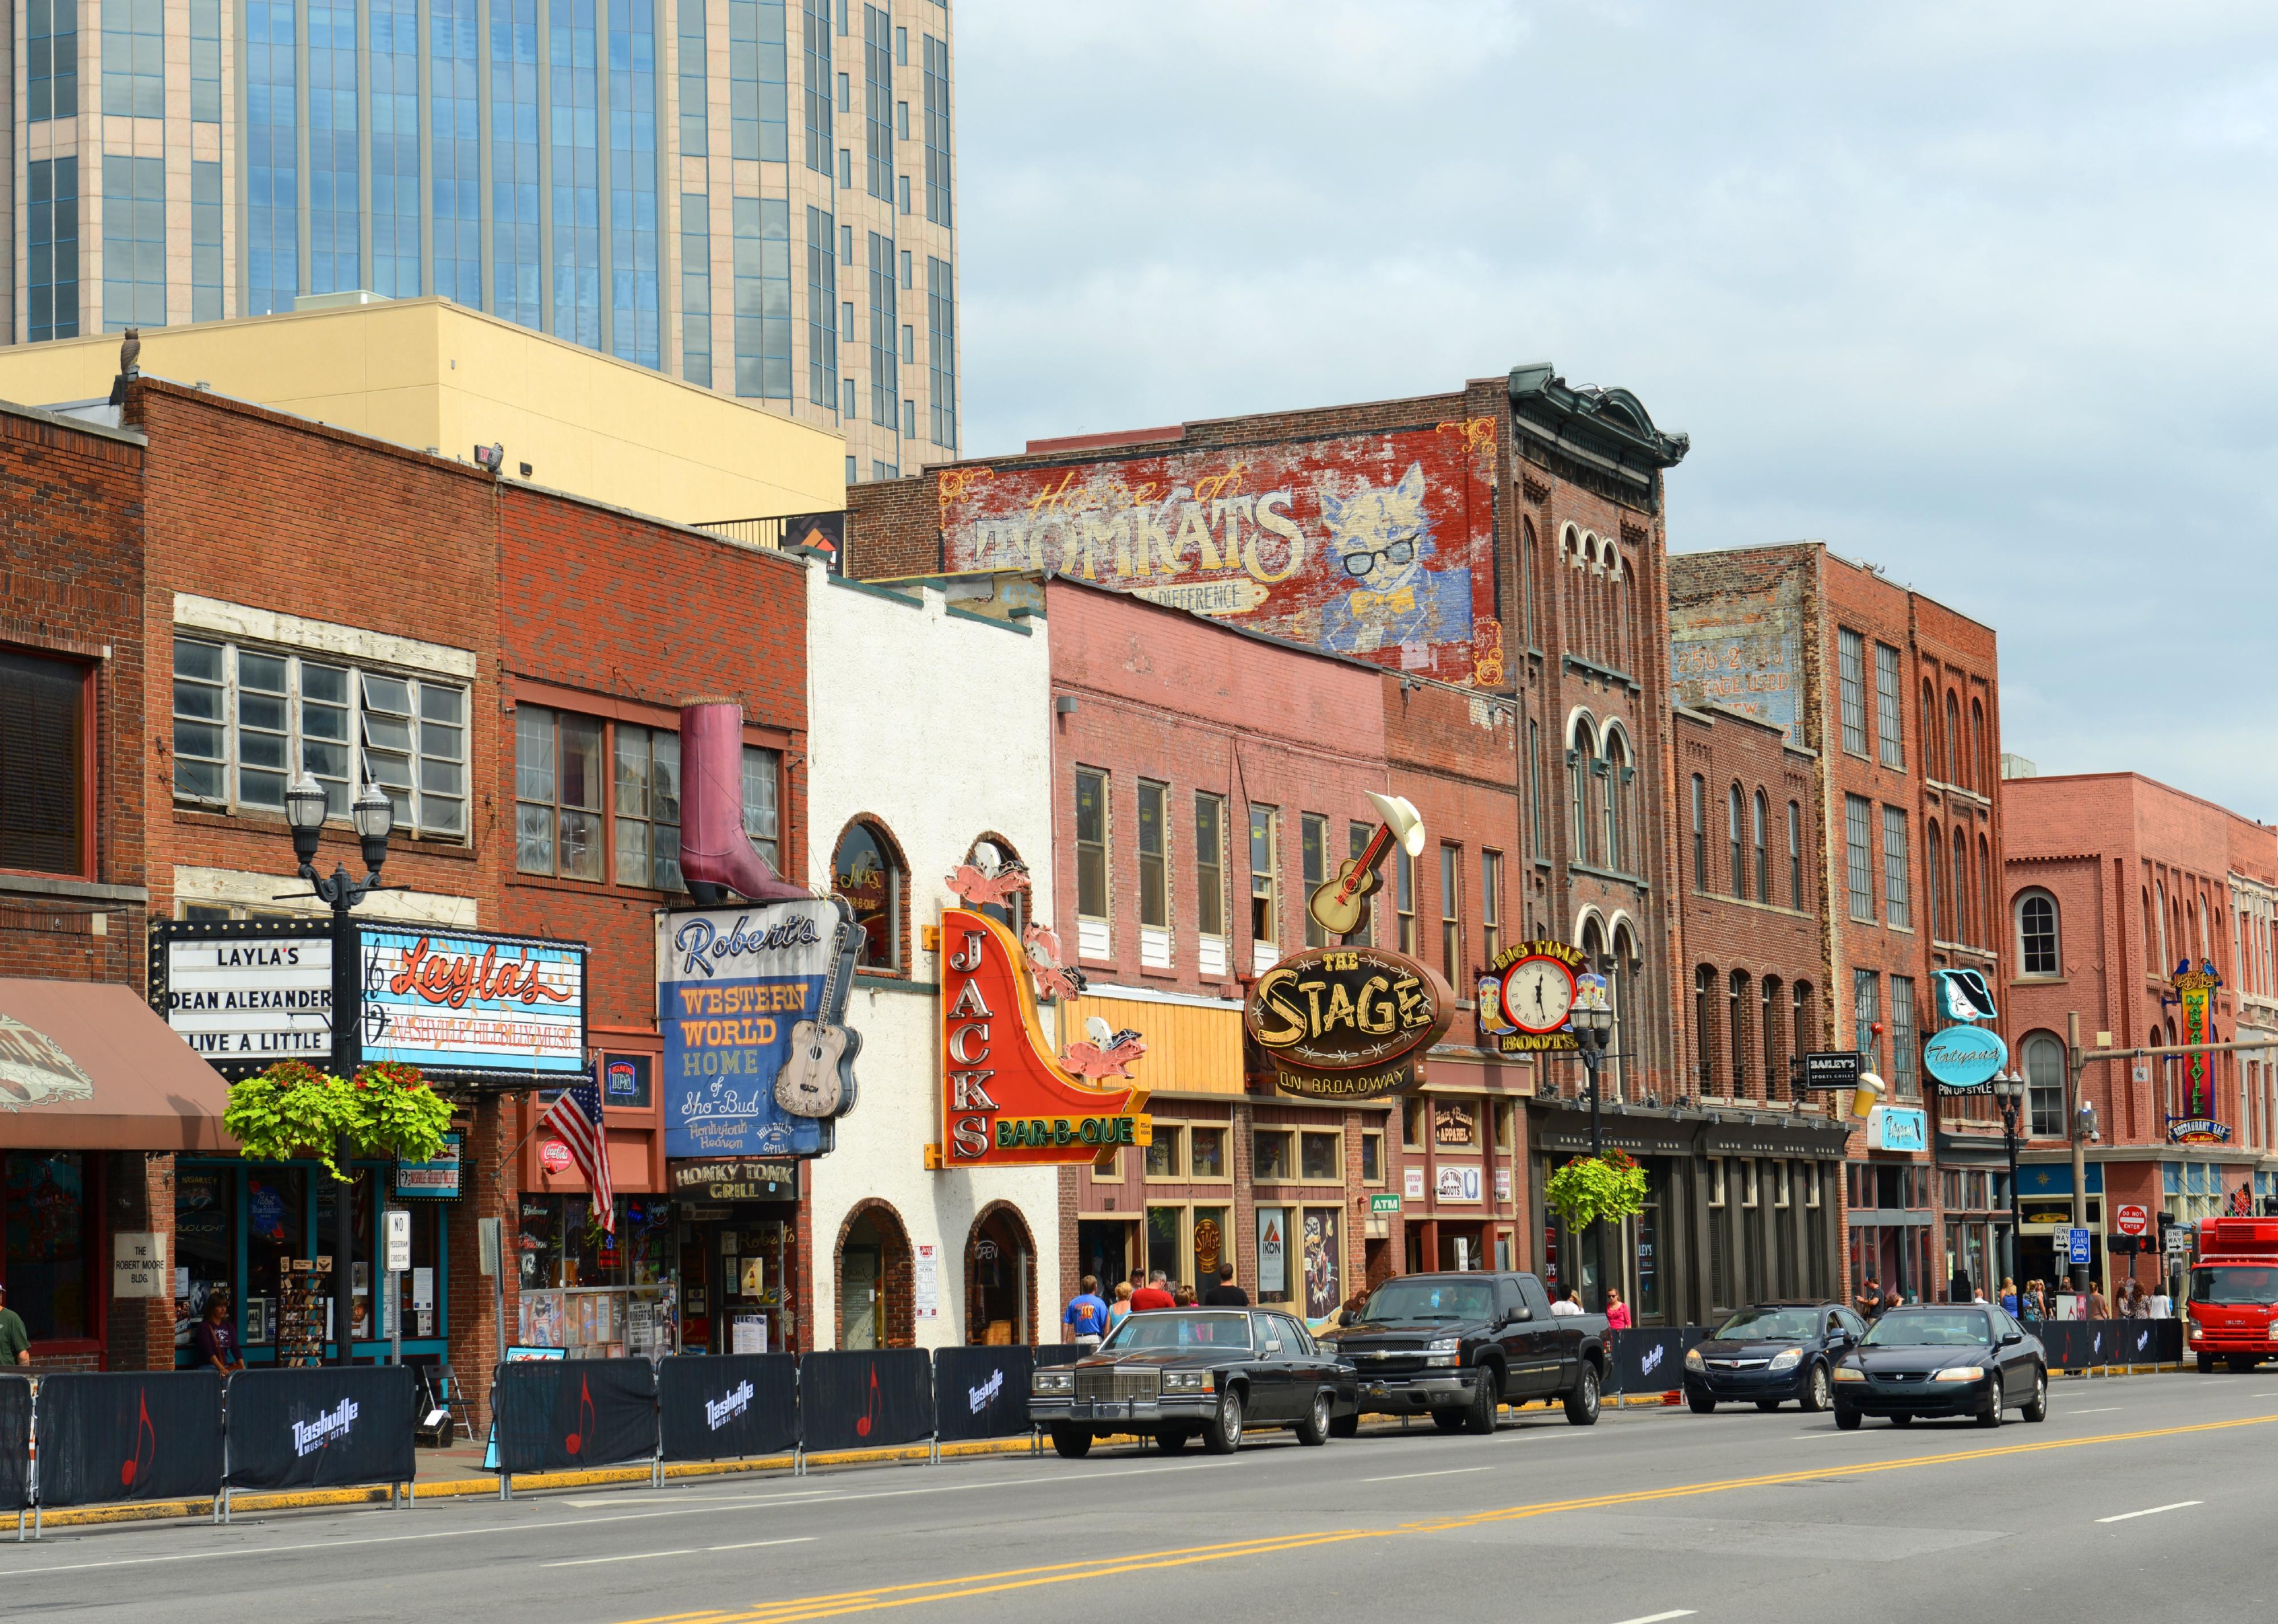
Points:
(237, 1221)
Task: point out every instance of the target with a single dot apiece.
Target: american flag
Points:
(576, 1114)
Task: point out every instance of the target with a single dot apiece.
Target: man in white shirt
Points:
(1570, 1304)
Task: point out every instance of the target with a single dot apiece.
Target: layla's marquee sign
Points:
(1525, 996)
(1347, 1023)
(1004, 1099)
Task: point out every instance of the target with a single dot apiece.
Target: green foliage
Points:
(1590, 1188)
(294, 1110)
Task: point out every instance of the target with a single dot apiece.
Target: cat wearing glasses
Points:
(1378, 542)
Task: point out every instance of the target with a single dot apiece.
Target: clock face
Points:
(1537, 993)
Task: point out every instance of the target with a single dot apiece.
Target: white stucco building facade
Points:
(929, 729)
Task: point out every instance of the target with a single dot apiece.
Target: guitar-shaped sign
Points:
(1340, 905)
(818, 1078)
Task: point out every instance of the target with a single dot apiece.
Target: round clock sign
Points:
(1537, 993)
(1528, 990)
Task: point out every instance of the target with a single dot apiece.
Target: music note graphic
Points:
(575, 1440)
(862, 1421)
(144, 1434)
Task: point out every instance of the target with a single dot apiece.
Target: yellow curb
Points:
(457, 1488)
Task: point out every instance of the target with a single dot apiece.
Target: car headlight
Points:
(1846, 1373)
(1961, 1373)
(1445, 1345)
(1189, 1380)
(1044, 1382)
(1693, 1361)
(2274, 1330)
(1787, 1360)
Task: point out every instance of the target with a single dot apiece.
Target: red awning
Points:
(87, 1065)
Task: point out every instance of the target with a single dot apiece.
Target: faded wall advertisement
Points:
(1378, 546)
(1742, 651)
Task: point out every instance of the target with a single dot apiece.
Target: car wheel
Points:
(2037, 1410)
(2207, 1364)
(1991, 1415)
(1222, 1433)
(1902, 1420)
(1848, 1420)
(1818, 1389)
(1071, 1442)
(1344, 1426)
(1313, 1431)
(1701, 1404)
(1479, 1417)
(1582, 1398)
(1767, 1405)
(1170, 1440)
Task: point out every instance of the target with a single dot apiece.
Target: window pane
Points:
(581, 764)
(581, 845)
(1091, 845)
(1318, 1156)
(863, 873)
(1313, 865)
(632, 777)
(1154, 881)
(533, 753)
(41, 764)
(1265, 926)
(1206, 1152)
(49, 1261)
(1209, 865)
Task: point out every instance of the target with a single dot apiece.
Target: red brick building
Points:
(2113, 880)
(1897, 699)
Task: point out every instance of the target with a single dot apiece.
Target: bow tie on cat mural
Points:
(1005, 1098)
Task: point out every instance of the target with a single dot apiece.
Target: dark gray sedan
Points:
(1970, 1359)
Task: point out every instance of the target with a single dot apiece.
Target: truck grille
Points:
(1116, 1381)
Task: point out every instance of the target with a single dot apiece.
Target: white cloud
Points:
(1979, 294)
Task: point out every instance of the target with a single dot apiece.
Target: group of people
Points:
(2029, 1306)
(1088, 1316)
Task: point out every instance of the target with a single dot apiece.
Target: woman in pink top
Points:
(1618, 1311)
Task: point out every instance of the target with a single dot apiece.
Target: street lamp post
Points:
(1593, 1019)
(2009, 1089)
(373, 816)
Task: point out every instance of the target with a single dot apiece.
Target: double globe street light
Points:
(2009, 1089)
(1592, 1021)
(372, 814)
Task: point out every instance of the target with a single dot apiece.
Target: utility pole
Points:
(2075, 1074)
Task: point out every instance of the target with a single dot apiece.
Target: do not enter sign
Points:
(2129, 1221)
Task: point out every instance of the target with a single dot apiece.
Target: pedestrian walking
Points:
(1869, 1300)
(2098, 1308)
(1121, 1305)
(1155, 1294)
(1226, 1294)
(1618, 1311)
(15, 1342)
(1183, 1296)
(1086, 1316)
(2008, 1296)
(2034, 1307)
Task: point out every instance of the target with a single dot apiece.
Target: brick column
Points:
(487, 1191)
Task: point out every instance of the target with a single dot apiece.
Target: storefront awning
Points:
(89, 1066)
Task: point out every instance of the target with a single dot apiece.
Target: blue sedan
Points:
(1771, 1353)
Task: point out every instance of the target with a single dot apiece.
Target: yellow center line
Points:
(802, 1609)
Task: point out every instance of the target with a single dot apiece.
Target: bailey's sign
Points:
(1347, 1023)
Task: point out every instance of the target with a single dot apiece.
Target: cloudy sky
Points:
(1982, 295)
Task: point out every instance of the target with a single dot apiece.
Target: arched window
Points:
(1989, 900)
(1934, 872)
(2159, 912)
(1620, 980)
(1795, 856)
(1952, 742)
(1807, 1031)
(991, 853)
(1578, 771)
(1736, 1013)
(1704, 1029)
(1700, 832)
(1617, 762)
(1980, 762)
(2036, 934)
(2045, 1085)
(1759, 820)
(1733, 839)
(1961, 914)
(1527, 578)
(1769, 1020)
(1928, 731)
(866, 870)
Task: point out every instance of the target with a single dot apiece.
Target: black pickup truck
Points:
(1457, 1345)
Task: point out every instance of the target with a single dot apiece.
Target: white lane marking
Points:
(2109, 1409)
(650, 1556)
(2152, 1511)
(1398, 1477)
(580, 1522)
(1662, 1618)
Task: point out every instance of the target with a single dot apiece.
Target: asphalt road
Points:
(2140, 1498)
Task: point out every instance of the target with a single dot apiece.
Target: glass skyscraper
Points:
(755, 195)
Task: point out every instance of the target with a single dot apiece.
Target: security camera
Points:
(491, 458)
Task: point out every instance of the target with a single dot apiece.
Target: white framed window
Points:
(1716, 1182)
(1779, 1184)
(1748, 1184)
(1210, 884)
(1889, 730)
(249, 720)
(2037, 952)
(1154, 876)
(1093, 932)
(2045, 1085)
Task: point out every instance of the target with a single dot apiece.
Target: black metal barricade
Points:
(717, 1407)
(15, 1442)
(322, 1426)
(864, 1399)
(1060, 1352)
(557, 1415)
(1650, 1360)
(151, 1435)
(980, 1392)
(2065, 1343)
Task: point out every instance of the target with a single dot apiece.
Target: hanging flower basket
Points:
(294, 1110)
(1591, 1187)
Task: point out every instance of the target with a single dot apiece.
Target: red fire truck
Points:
(2233, 1292)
